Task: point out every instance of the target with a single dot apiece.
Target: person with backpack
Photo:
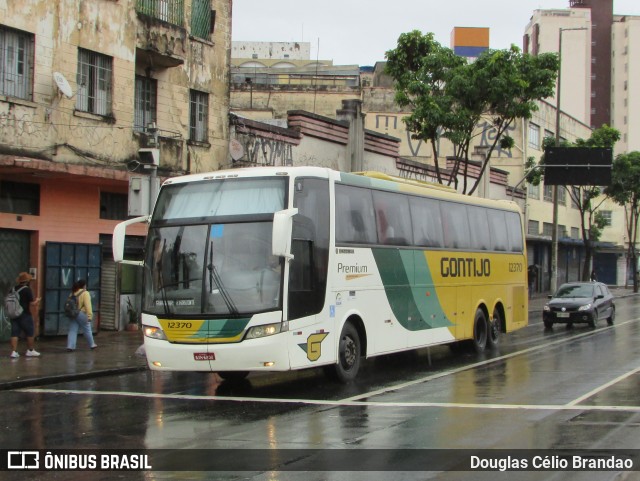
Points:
(23, 322)
(79, 315)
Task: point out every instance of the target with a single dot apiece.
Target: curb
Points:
(56, 378)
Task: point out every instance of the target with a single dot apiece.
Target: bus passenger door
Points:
(307, 284)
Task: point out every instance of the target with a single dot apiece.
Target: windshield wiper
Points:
(214, 278)
(163, 292)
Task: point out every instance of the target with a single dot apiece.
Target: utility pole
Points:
(153, 175)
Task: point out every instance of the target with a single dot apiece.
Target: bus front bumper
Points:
(264, 354)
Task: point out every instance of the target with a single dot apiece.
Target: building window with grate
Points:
(562, 195)
(95, 81)
(114, 206)
(575, 233)
(202, 19)
(19, 198)
(606, 216)
(16, 63)
(548, 193)
(199, 117)
(145, 102)
(534, 136)
(533, 227)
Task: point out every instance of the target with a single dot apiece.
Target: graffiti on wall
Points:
(388, 124)
(489, 136)
(261, 151)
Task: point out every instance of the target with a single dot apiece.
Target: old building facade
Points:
(85, 88)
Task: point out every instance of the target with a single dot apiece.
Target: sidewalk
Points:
(116, 353)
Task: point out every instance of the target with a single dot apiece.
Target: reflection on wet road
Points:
(561, 389)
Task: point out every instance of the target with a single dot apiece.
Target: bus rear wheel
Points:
(349, 349)
(495, 328)
(480, 331)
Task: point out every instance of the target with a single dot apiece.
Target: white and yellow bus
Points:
(276, 269)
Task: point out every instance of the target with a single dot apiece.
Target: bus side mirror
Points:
(119, 233)
(281, 236)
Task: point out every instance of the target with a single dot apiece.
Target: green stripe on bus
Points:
(220, 328)
(414, 302)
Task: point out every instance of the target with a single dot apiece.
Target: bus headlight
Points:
(265, 330)
(154, 333)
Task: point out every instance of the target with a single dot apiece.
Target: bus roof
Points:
(373, 179)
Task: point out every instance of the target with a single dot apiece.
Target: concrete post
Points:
(352, 112)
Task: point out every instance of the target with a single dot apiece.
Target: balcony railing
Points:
(170, 11)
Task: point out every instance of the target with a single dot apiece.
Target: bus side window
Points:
(393, 218)
(514, 230)
(355, 220)
(456, 225)
(481, 238)
(427, 222)
(500, 238)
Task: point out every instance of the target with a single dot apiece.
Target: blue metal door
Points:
(14, 258)
(66, 263)
(606, 267)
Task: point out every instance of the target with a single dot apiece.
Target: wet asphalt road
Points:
(575, 389)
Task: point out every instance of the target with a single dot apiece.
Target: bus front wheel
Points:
(480, 331)
(349, 350)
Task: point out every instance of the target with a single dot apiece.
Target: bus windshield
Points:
(222, 265)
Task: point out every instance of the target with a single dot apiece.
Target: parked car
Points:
(579, 302)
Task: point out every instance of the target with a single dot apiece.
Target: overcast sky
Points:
(359, 32)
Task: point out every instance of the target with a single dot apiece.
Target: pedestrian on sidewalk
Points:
(83, 318)
(24, 322)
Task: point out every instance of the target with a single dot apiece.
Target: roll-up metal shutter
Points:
(108, 319)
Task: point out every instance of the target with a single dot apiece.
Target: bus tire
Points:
(233, 376)
(349, 349)
(495, 328)
(480, 331)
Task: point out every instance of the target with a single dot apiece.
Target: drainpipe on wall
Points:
(352, 112)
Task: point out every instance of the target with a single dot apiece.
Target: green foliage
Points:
(625, 191)
(625, 179)
(602, 137)
(449, 97)
(598, 224)
(534, 175)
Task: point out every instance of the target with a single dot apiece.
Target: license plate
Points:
(563, 314)
(204, 356)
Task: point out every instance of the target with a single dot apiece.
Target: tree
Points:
(449, 97)
(625, 191)
(421, 67)
(587, 198)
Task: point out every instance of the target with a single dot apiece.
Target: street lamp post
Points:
(554, 233)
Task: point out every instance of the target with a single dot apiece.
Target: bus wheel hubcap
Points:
(349, 355)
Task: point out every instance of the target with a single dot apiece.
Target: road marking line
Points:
(314, 402)
(395, 387)
(603, 387)
(358, 400)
